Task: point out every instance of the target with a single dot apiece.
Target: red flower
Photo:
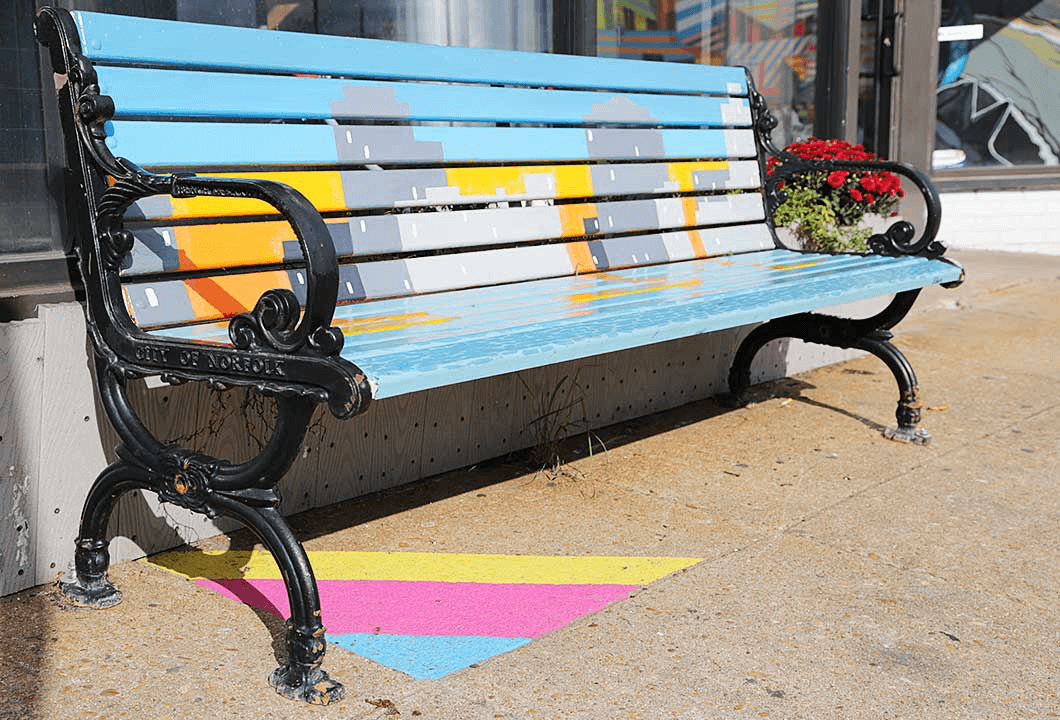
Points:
(856, 194)
(837, 178)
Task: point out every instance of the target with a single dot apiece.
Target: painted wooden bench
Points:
(332, 220)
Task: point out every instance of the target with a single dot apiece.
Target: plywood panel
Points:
(21, 371)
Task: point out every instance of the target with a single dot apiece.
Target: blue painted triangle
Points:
(426, 657)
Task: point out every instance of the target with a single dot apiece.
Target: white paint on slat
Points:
(736, 112)
(487, 267)
(152, 297)
(678, 246)
(740, 143)
(167, 238)
(367, 152)
(743, 175)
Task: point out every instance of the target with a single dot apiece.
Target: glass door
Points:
(877, 75)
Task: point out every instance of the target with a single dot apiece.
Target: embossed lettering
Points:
(245, 364)
(189, 358)
(147, 353)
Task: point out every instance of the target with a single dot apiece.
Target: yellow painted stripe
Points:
(383, 323)
(608, 294)
(798, 266)
(436, 567)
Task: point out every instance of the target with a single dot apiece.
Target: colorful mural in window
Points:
(999, 74)
(776, 40)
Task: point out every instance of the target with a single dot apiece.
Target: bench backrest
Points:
(435, 168)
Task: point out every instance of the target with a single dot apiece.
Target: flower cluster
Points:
(849, 194)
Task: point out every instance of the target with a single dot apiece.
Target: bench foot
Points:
(90, 586)
(915, 435)
(870, 334)
(302, 678)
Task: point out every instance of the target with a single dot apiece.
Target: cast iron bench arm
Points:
(898, 239)
(280, 347)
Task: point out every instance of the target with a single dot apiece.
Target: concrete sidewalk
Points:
(843, 576)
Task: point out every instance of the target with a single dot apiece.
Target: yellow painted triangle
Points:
(434, 567)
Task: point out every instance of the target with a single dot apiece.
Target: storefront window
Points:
(776, 40)
(997, 84)
(501, 24)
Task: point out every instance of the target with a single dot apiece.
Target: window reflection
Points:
(501, 24)
(776, 40)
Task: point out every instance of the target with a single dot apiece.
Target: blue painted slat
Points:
(406, 370)
(506, 311)
(615, 322)
(194, 144)
(152, 92)
(139, 41)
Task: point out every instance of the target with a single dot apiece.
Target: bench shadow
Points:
(317, 522)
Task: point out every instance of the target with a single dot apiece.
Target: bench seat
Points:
(424, 341)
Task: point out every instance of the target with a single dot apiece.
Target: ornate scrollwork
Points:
(273, 324)
(130, 184)
(269, 324)
(898, 239)
(184, 478)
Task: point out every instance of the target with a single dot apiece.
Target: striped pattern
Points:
(696, 18)
(430, 614)
(575, 165)
(643, 45)
(377, 189)
(771, 58)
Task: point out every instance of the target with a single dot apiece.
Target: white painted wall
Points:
(1005, 220)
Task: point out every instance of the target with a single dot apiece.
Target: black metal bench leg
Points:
(90, 586)
(908, 412)
(869, 334)
(302, 677)
(740, 371)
